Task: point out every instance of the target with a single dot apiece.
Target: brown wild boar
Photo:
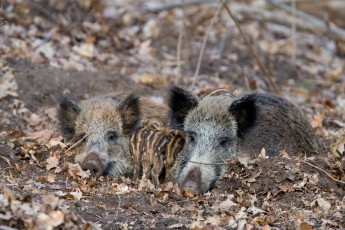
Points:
(108, 122)
(154, 148)
(219, 127)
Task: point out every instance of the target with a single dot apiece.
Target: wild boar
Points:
(219, 127)
(154, 148)
(108, 123)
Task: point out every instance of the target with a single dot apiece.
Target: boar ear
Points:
(244, 111)
(180, 102)
(67, 114)
(130, 113)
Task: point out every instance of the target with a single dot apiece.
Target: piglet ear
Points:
(67, 115)
(130, 113)
(244, 110)
(180, 102)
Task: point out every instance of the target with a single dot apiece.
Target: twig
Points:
(155, 7)
(262, 67)
(201, 163)
(47, 13)
(118, 207)
(201, 54)
(311, 165)
(221, 90)
(77, 143)
(293, 32)
(317, 25)
(263, 15)
(178, 58)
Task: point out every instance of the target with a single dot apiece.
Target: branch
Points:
(77, 143)
(262, 67)
(319, 25)
(336, 180)
(201, 54)
(201, 163)
(305, 23)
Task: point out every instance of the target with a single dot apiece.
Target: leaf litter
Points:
(41, 187)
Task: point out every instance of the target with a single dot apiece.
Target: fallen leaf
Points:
(227, 204)
(338, 148)
(51, 177)
(188, 193)
(76, 171)
(42, 136)
(77, 195)
(305, 226)
(52, 162)
(262, 155)
(284, 154)
(8, 85)
(317, 121)
(53, 219)
(151, 79)
(324, 204)
(87, 50)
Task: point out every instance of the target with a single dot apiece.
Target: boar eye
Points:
(191, 136)
(223, 142)
(112, 137)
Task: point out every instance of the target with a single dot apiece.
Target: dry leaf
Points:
(76, 171)
(53, 219)
(8, 85)
(227, 204)
(52, 162)
(77, 195)
(262, 155)
(154, 80)
(284, 154)
(87, 50)
(188, 193)
(42, 136)
(8, 194)
(338, 148)
(317, 121)
(51, 177)
(305, 226)
(324, 204)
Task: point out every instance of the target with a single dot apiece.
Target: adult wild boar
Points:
(219, 127)
(107, 122)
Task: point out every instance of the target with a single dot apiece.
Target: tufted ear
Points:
(180, 102)
(67, 114)
(129, 109)
(244, 110)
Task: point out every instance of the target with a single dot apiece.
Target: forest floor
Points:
(80, 49)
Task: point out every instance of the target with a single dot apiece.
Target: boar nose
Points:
(93, 163)
(193, 181)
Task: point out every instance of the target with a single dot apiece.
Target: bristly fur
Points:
(180, 103)
(67, 115)
(244, 110)
(130, 114)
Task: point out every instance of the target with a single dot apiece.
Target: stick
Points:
(178, 58)
(262, 67)
(263, 15)
(77, 143)
(293, 32)
(201, 163)
(47, 13)
(336, 180)
(118, 207)
(318, 25)
(201, 54)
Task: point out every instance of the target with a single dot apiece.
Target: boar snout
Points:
(193, 181)
(93, 163)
